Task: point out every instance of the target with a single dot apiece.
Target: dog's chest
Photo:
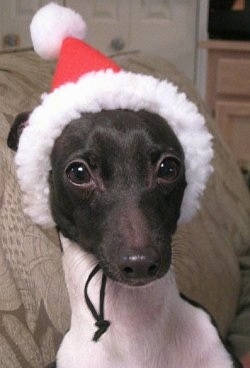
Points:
(178, 345)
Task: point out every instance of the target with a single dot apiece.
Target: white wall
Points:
(202, 34)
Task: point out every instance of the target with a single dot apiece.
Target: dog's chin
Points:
(138, 283)
(127, 282)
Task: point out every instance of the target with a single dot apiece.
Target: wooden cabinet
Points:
(228, 93)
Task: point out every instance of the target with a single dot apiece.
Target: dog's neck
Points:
(152, 298)
(151, 326)
(133, 311)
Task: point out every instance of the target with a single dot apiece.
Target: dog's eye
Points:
(78, 173)
(169, 169)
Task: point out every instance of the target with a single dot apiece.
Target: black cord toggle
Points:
(101, 323)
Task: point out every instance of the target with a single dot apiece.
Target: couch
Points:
(211, 257)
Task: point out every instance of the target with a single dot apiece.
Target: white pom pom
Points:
(51, 25)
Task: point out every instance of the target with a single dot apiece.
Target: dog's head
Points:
(116, 186)
(113, 158)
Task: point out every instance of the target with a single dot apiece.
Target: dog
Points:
(117, 182)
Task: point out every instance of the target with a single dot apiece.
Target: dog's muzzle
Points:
(139, 266)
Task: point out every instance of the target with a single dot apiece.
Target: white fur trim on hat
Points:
(106, 90)
(51, 25)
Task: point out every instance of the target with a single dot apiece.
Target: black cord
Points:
(101, 323)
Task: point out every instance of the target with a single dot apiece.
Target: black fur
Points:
(16, 130)
(51, 365)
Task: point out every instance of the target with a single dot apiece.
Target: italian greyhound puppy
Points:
(116, 182)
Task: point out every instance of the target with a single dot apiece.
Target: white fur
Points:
(151, 326)
(51, 25)
(109, 90)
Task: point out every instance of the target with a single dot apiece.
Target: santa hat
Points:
(85, 80)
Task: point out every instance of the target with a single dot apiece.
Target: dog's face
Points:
(116, 184)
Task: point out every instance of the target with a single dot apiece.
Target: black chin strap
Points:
(101, 323)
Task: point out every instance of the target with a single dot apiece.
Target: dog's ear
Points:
(20, 122)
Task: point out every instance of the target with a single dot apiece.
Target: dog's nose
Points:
(137, 264)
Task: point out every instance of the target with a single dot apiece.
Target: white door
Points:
(15, 17)
(166, 28)
(107, 21)
(161, 27)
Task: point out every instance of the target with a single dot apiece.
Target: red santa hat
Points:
(85, 80)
